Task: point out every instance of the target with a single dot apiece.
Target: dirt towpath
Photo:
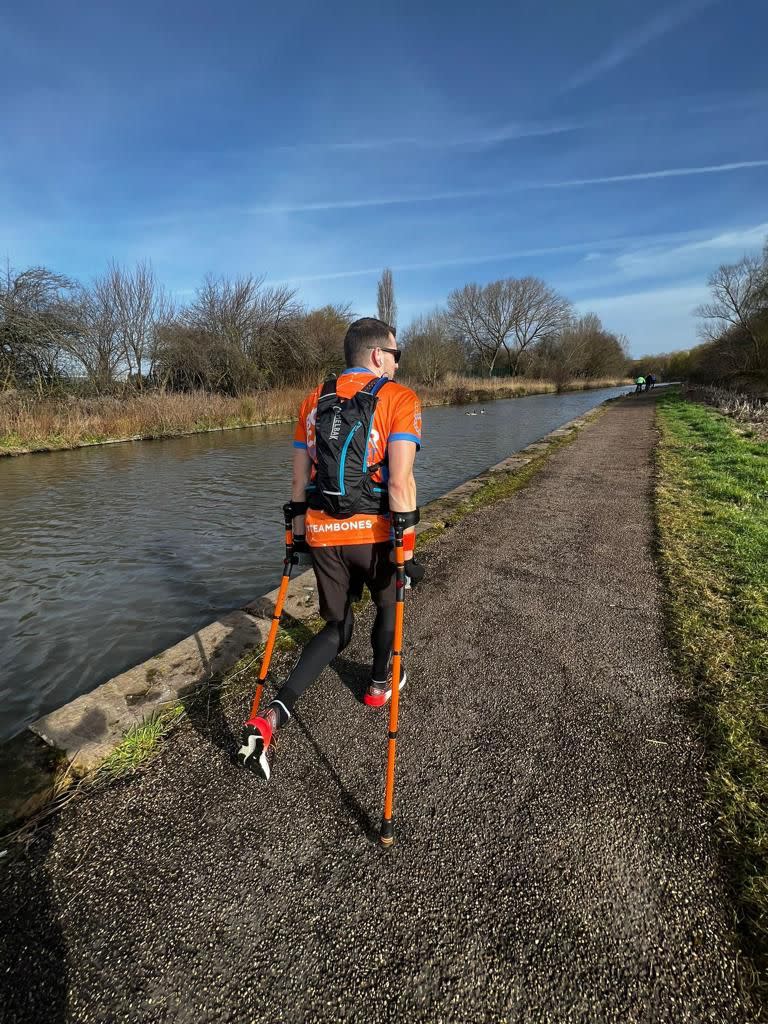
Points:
(554, 860)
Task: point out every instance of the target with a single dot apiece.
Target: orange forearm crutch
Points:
(287, 568)
(401, 520)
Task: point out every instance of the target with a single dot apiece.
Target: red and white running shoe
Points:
(378, 693)
(255, 753)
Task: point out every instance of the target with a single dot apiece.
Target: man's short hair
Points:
(364, 335)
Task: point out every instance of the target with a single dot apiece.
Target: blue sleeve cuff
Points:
(405, 437)
(299, 444)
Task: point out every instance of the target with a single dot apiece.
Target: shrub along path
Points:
(554, 863)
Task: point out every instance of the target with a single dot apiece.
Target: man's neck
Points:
(362, 368)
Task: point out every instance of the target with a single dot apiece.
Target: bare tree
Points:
(96, 345)
(385, 299)
(430, 349)
(258, 327)
(324, 331)
(189, 359)
(539, 313)
(36, 320)
(739, 300)
(139, 305)
(483, 317)
(512, 314)
(584, 348)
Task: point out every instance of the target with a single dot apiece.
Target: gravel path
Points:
(554, 862)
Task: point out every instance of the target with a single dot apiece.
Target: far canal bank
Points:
(117, 552)
(38, 424)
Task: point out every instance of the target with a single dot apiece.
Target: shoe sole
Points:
(252, 755)
(379, 702)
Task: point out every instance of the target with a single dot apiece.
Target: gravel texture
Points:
(554, 861)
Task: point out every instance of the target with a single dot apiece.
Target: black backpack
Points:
(342, 484)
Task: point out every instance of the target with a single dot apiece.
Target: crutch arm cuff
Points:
(298, 508)
(405, 519)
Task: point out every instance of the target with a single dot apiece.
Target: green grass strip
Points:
(140, 743)
(712, 521)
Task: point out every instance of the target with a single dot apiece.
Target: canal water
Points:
(111, 554)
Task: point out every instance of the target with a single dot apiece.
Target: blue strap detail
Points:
(356, 369)
(299, 444)
(351, 434)
(376, 387)
(405, 437)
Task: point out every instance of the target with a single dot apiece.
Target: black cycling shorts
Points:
(343, 569)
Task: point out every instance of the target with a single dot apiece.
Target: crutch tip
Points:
(387, 834)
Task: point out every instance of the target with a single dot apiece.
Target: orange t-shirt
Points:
(397, 418)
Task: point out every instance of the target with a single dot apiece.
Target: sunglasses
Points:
(396, 352)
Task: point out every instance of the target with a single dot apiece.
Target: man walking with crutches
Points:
(354, 449)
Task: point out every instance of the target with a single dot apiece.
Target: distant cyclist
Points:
(639, 384)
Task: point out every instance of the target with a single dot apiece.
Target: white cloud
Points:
(462, 261)
(650, 260)
(505, 133)
(435, 197)
(454, 137)
(669, 172)
(633, 41)
(657, 260)
(658, 320)
(356, 204)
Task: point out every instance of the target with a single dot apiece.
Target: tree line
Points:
(124, 333)
(733, 326)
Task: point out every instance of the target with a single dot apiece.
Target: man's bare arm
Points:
(401, 484)
(302, 469)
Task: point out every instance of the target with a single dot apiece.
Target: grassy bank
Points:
(712, 514)
(29, 424)
(749, 411)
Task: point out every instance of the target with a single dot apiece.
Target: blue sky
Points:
(618, 150)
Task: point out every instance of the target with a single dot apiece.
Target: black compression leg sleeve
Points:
(382, 638)
(316, 656)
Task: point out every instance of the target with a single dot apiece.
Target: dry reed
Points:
(29, 423)
(745, 409)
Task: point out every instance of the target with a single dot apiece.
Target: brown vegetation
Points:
(29, 423)
(750, 412)
(33, 423)
(116, 358)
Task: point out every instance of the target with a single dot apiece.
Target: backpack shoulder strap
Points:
(329, 389)
(374, 386)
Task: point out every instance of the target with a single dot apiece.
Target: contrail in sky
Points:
(436, 197)
(635, 40)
